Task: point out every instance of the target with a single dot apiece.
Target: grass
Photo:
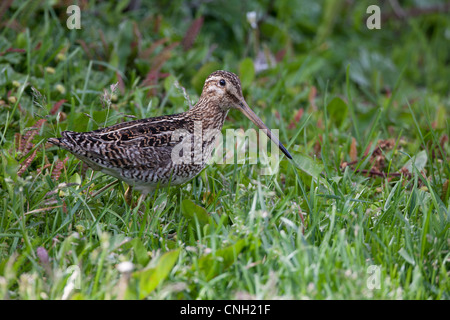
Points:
(361, 213)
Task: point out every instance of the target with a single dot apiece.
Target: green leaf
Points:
(193, 212)
(160, 204)
(441, 117)
(406, 256)
(419, 161)
(307, 164)
(10, 166)
(246, 72)
(149, 279)
(337, 110)
(213, 264)
(123, 45)
(175, 95)
(140, 253)
(75, 178)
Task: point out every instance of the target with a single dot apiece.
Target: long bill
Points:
(258, 122)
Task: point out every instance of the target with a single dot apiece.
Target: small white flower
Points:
(60, 57)
(60, 88)
(125, 267)
(191, 249)
(50, 70)
(75, 235)
(251, 18)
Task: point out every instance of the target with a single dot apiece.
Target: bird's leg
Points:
(129, 195)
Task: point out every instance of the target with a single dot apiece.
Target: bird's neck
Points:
(209, 113)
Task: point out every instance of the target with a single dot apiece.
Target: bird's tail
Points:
(66, 141)
(55, 141)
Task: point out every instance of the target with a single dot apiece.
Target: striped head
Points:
(223, 88)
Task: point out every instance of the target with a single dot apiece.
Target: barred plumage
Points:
(141, 152)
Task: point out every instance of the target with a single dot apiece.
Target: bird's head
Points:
(223, 88)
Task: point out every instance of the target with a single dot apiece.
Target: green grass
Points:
(317, 229)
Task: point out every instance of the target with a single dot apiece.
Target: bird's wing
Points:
(143, 143)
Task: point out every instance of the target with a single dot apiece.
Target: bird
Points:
(163, 151)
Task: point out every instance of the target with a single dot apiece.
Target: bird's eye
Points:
(222, 82)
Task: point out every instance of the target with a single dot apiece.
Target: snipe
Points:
(140, 152)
